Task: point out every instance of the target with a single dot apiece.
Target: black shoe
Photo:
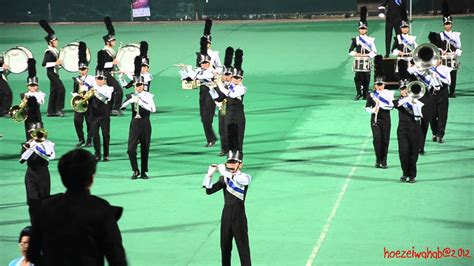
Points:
(378, 165)
(144, 176)
(411, 180)
(403, 179)
(135, 175)
(387, 56)
(60, 113)
(422, 152)
(97, 158)
(88, 144)
(106, 159)
(51, 115)
(80, 143)
(452, 95)
(384, 166)
(434, 138)
(210, 144)
(222, 153)
(358, 96)
(440, 140)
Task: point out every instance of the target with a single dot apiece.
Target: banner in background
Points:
(140, 8)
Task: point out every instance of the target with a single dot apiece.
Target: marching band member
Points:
(441, 102)
(451, 43)
(364, 47)
(205, 75)
(393, 19)
(409, 115)
(39, 151)
(234, 184)
(215, 60)
(145, 68)
(51, 62)
(404, 43)
(109, 55)
(82, 84)
(379, 105)
(33, 100)
(6, 94)
(140, 126)
(226, 78)
(233, 95)
(437, 79)
(100, 110)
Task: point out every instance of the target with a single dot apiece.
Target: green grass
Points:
(304, 137)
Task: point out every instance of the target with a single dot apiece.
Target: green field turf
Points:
(308, 147)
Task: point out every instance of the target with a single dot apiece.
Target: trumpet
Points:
(18, 112)
(80, 102)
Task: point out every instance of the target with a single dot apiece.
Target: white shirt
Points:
(369, 46)
(111, 52)
(87, 81)
(443, 73)
(146, 101)
(455, 38)
(39, 95)
(410, 39)
(44, 149)
(215, 60)
(105, 91)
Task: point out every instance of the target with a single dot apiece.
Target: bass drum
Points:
(69, 56)
(126, 57)
(17, 59)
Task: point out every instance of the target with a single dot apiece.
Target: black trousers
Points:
(103, 123)
(57, 93)
(6, 97)
(362, 82)
(78, 125)
(440, 112)
(140, 132)
(236, 115)
(408, 138)
(381, 135)
(390, 25)
(117, 95)
(427, 112)
(234, 225)
(38, 187)
(207, 108)
(452, 87)
(223, 133)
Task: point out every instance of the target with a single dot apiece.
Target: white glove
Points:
(370, 110)
(211, 170)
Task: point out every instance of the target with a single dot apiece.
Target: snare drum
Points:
(450, 60)
(361, 64)
(69, 56)
(126, 57)
(17, 59)
(190, 85)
